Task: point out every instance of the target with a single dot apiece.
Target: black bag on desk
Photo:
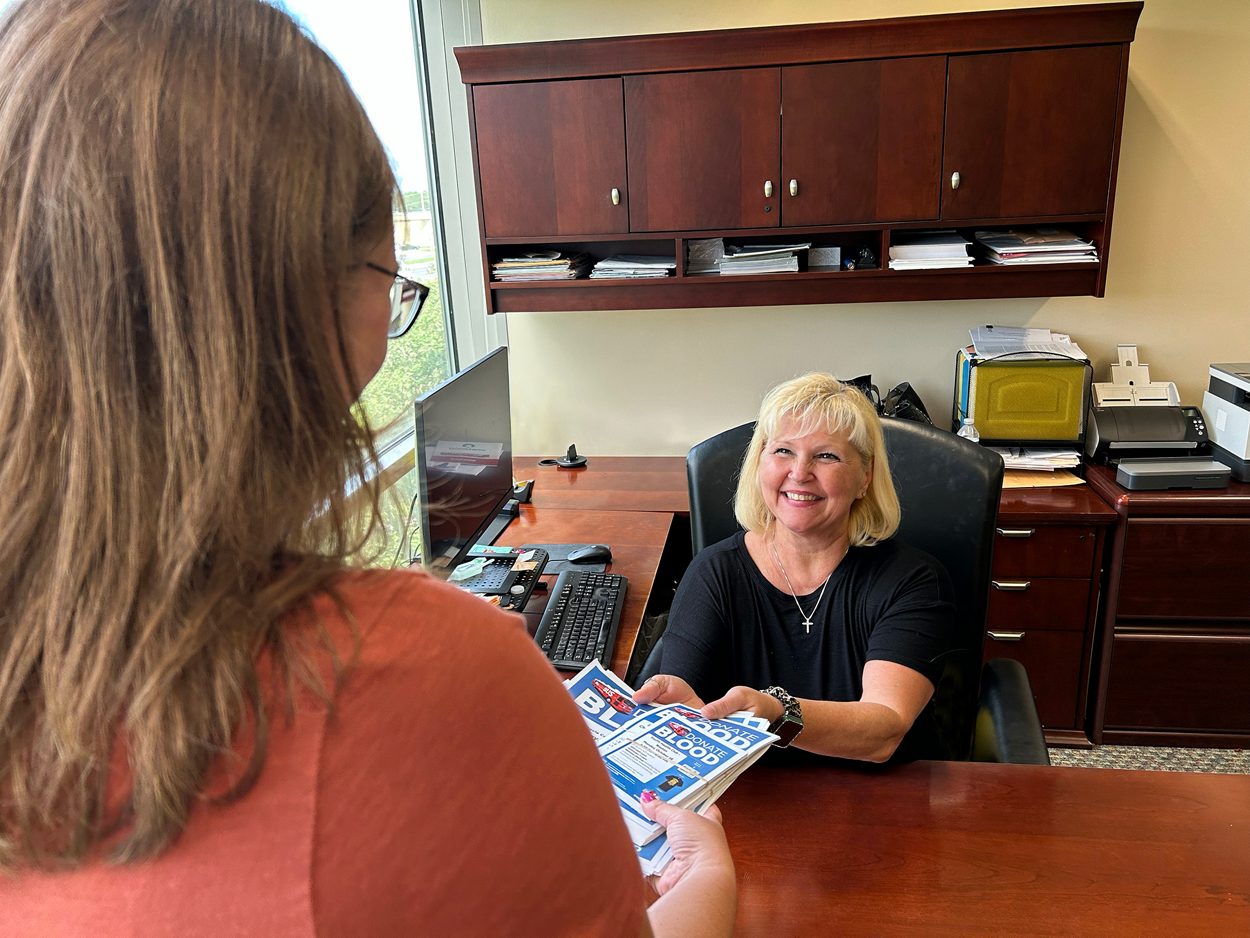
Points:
(902, 402)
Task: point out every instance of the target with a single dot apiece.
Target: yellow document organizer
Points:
(1020, 400)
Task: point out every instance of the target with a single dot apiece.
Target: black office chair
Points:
(949, 490)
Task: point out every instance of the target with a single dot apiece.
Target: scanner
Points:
(1133, 417)
(1115, 433)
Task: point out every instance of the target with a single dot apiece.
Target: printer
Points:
(1226, 404)
(1133, 417)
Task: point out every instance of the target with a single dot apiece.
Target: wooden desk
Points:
(633, 483)
(955, 848)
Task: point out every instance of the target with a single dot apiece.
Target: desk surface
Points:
(658, 483)
(635, 483)
(957, 848)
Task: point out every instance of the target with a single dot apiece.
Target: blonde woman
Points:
(209, 724)
(812, 617)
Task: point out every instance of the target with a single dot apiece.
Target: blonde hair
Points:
(185, 186)
(821, 402)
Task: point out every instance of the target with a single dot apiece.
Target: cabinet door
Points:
(862, 141)
(1052, 660)
(1030, 133)
(702, 146)
(549, 155)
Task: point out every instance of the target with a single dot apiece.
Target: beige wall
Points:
(656, 381)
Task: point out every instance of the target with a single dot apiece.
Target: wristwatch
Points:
(790, 723)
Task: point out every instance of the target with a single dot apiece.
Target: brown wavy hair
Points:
(185, 186)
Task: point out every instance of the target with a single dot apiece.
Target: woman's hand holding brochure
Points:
(664, 753)
(701, 871)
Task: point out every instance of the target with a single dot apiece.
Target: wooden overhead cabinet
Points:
(843, 135)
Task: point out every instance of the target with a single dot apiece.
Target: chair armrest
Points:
(1007, 725)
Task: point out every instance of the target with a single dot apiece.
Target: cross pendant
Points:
(807, 626)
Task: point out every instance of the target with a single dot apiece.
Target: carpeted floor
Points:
(1156, 758)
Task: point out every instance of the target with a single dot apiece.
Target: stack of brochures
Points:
(541, 265)
(929, 250)
(632, 267)
(667, 749)
(1040, 246)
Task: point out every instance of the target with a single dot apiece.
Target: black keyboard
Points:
(579, 623)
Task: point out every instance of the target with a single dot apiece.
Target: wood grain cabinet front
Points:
(550, 155)
(1042, 594)
(1023, 129)
(1175, 647)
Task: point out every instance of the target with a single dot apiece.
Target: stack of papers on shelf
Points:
(703, 255)
(929, 250)
(1040, 246)
(1020, 457)
(541, 265)
(667, 749)
(761, 258)
(632, 267)
(1023, 342)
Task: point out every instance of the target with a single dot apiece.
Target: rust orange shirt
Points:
(453, 790)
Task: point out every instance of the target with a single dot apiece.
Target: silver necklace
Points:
(807, 617)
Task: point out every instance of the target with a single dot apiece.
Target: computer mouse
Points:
(591, 553)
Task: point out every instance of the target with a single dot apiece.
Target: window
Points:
(373, 43)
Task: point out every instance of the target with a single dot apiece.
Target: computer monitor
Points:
(464, 458)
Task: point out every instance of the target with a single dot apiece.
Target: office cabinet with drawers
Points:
(1048, 557)
(1175, 648)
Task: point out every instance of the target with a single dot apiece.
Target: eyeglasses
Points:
(407, 298)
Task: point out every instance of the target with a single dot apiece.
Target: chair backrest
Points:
(712, 475)
(948, 489)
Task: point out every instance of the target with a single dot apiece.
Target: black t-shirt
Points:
(889, 602)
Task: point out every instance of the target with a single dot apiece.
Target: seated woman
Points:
(212, 722)
(813, 618)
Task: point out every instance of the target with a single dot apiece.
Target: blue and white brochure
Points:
(676, 761)
(670, 748)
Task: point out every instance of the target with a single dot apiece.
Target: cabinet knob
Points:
(1015, 532)
(1005, 636)
(794, 187)
(955, 180)
(1010, 586)
(616, 196)
(768, 188)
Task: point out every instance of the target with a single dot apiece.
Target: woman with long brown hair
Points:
(209, 721)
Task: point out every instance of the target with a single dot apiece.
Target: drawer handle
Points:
(768, 188)
(1005, 636)
(1010, 586)
(615, 195)
(1016, 532)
